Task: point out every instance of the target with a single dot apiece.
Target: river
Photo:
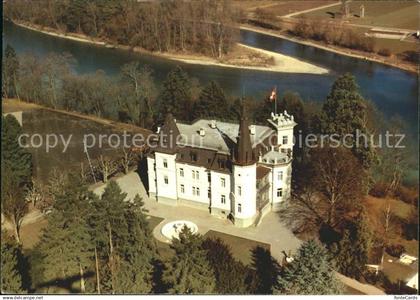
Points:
(394, 91)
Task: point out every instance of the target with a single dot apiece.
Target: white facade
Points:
(244, 191)
(240, 191)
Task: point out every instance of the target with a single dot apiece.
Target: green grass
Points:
(154, 221)
(241, 247)
(164, 249)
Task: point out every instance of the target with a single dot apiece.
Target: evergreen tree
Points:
(176, 97)
(263, 111)
(230, 274)
(345, 112)
(66, 244)
(310, 273)
(11, 278)
(212, 103)
(266, 268)
(354, 248)
(14, 158)
(189, 272)
(10, 72)
(16, 167)
(123, 241)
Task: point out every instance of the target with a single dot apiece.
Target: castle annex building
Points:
(240, 171)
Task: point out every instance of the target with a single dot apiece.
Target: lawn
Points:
(241, 247)
(398, 14)
(31, 233)
(164, 249)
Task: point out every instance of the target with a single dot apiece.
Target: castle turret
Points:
(284, 124)
(244, 177)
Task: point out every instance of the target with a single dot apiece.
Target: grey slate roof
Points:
(221, 139)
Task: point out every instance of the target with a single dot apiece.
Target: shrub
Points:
(302, 28)
(378, 190)
(410, 56)
(395, 250)
(384, 52)
(372, 278)
(407, 195)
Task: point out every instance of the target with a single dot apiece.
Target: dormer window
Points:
(221, 163)
(193, 156)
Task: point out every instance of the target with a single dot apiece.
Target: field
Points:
(280, 7)
(40, 122)
(399, 211)
(398, 14)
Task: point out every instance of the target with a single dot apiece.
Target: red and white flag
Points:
(273, 95)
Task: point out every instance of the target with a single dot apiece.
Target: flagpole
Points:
(275, 100)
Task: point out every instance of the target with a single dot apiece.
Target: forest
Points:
(330, 191)
(203, 26)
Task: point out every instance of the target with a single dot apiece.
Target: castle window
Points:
(166, 180)
(280, 175)
(284, 139)
(223, 182)
(193, 156)
(198, 191)
(193, 174)
(239, 190)
(197, 175)
(279, 193)
(223, 199)
(209, 176)
(193, 190)
(239, 208)
(209, 193)
(181, 172)
(221, 163)
(165, 163)
(182, 189)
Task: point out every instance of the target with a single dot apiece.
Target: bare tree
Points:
(128, 159)
(386, 227)
(324, 190)
(55, 67)
(14, 205)
(35, 193)
(106, 167)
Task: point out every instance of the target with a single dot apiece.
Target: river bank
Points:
(13, 105)
(338, 50)
(244, 57)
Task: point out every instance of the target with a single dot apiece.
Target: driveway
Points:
(271, 230)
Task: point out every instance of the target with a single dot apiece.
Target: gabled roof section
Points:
(168, 136)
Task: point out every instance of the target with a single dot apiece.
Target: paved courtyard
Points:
(271, 230)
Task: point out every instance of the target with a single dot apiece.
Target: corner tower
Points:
(244, 177)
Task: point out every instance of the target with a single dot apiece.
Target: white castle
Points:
(236, 171)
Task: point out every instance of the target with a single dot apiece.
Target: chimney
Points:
(202, 132)
(252, 129)
(213, 124)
